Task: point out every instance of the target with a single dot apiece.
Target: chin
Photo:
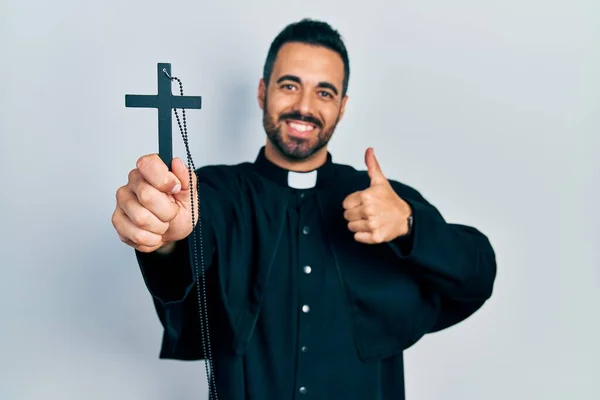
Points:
(295, 152)
(299, 149)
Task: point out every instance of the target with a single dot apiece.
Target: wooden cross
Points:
(164, 101)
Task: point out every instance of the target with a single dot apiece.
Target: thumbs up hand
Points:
(376, 214)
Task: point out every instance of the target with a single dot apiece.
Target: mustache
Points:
(304, 118)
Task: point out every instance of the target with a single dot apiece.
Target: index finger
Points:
(157, 174)
(353, 200)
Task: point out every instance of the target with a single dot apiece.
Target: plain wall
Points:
(490, 109)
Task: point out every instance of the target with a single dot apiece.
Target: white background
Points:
(490, 109)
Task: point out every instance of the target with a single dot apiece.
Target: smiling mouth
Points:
(300, 128)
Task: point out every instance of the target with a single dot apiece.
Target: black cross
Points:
(164, 101)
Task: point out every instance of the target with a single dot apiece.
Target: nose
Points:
(305, 103)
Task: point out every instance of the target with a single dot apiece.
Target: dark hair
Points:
(311, 32)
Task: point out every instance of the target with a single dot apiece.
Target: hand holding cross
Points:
(154, 208)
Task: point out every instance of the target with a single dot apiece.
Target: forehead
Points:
(310, 63)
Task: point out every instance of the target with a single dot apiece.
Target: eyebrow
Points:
(325, 85)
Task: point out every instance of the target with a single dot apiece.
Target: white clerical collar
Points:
(302, 180)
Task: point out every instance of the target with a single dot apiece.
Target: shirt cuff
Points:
(168, 277)
(402, 246)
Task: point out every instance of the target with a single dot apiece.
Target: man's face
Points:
(303, 102)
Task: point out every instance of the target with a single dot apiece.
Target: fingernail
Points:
(176, 188)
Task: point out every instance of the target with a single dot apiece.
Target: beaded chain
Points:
(205, 332)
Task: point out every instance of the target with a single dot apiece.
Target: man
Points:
(318, 276)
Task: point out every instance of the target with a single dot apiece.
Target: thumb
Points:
(375, 172)
(181, 171)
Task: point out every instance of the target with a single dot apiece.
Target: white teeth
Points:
(301, 127)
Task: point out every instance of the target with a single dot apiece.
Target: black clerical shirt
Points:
(302, 347)
(302, 341)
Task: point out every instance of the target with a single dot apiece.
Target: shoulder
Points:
(350, 178)
(223, 177)
(405, 191)
(215, 172)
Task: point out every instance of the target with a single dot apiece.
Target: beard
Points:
(296, 149)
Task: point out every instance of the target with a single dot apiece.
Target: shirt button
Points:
(305, 308)
(304, 349)
(302, 195)
(302, 390)
(307, 269)
(306, 230)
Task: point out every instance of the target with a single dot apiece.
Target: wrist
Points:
(407, 220)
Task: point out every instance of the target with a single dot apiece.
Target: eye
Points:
(288, 86)
(325, 94)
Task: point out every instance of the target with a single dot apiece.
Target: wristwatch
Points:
(410, 224)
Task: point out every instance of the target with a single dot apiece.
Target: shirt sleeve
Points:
(168, 278)
(457, 261)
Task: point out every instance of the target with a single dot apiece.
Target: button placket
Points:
(305, 283)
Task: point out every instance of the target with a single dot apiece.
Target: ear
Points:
(262, 89)
(343, 106)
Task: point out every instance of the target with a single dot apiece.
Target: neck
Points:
(311, 163)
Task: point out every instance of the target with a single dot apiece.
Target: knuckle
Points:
(365, 196)
(131, 176)
(372, 224)
(114, 219)
(120, 194)
(143, 161)
(146, 195)
(141, 220)
(140, 237)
